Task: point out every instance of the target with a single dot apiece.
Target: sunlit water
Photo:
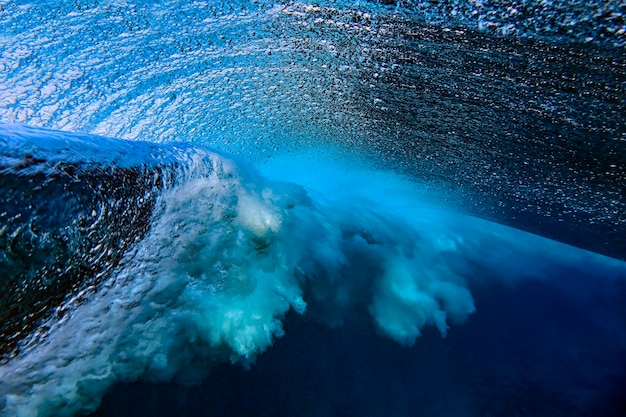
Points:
(314, 209)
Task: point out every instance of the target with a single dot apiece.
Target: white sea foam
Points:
(230, 253)
(227, 256)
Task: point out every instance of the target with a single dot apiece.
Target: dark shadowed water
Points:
(535, 348)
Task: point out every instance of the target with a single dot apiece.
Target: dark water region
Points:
(46, 257)
(595, 21)
(533, 349)
(533, 133)
(541, 128)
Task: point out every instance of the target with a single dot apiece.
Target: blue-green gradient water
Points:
(410, 208)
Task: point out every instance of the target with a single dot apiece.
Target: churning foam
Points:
(229, 253)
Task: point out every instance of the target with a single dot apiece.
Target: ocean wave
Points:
(226, 255)
(148, 260)
(527, 129)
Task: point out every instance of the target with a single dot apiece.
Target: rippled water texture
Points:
(528, 128)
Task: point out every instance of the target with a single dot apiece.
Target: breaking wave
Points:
(225, 254)
(329, 162)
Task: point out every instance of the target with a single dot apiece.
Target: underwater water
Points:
(409, 208)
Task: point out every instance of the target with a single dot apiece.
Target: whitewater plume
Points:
(224, 256)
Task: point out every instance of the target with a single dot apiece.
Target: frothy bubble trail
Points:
(225, 254)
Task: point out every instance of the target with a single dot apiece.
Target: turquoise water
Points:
(332, 208)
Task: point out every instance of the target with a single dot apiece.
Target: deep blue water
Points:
(313, 208)
(510, 359)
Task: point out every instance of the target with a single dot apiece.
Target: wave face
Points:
(72, 205)
(526, 129)
(388, 160)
